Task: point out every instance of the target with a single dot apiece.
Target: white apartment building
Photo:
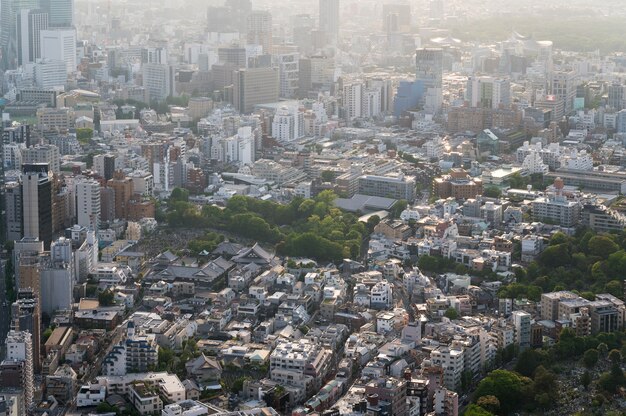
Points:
(59, 44)
(452, 362)
(288, 124)
(88, 203)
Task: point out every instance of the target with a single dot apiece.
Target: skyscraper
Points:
(429, 78)
(37, 202)
(329, 18)
(61, 12)
(260, 29)
(8, 33)
(13, 216)
(255, 86)
(30, 23)
(59, 44)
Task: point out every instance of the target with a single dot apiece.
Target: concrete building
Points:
(159, 80)
(19, 357)
(259, 29)
(398, 187)
(288, 124)
(30, 23)
(521, 322)
(59, 44)
(254, 86)
(37, 202)
(329, 18)
(556, 208)
(488, 92)
(43, 153)
(88, 204)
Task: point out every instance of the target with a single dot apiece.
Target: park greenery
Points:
(587, 263)
(533, 385)
(312, 228)
(568, 29)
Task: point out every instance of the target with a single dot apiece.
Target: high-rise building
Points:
(17, 369)
(13, 211)
(123, 188)
(255, 86)
(488, 92)
(61, 12)
(104, 165)
(329, 18)
(30, 23)
(396, 18)
(50, 73)
(562, 85)
(289, 69)
(429, 78)
(617, 96)
(8, 32)
(37, 202)
(260, 29)
(59, 44)
(233, 55)
(88, 204)
(352, 97)
(57, 277)
(26, 316)
(288, 124)
(158, 80)
(43, 153)
(521, 321)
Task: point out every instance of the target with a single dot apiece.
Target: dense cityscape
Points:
(312, 207)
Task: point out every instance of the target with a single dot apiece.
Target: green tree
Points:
(602, 246)
(590, 358)
(372, 222)
(106, 298)
(451, 313)
(615, 356)
(508, 387)
(492, 192)
(328, 176)
(489, 403)
(179, 194)
(84, 135)
(475, 410)
(614, 287)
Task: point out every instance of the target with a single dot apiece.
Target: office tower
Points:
(50, 73)
(562, 85)
(43, 153)
(26, 316)
(8, 32)
(289, 71)
(37, 202)
(488, 92)
(57, 277)
(30, 23)
(239, 10)
(60, 45)
(429, 78)
(617, 96)
(233, 55)
(16, 134)
(436, 9)
(329, 18)
(254, 86)
(88, 204)
(107, 204)
(104, 165)
(260, 29)
(17, 369)
(123, 188)
(60, 12)
(396, 18)
(154, 55)
(13, 208)
(158, 80)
